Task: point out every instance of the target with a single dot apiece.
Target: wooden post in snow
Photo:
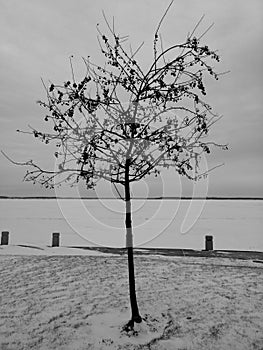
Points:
(208, 242)
(55, 239)
(4, 238)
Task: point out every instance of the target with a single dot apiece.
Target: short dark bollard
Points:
(208, 242)
(55, 239)
(4, 238)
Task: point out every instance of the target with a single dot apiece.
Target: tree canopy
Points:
(156, 117)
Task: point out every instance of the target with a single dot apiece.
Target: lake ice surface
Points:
(234, 224)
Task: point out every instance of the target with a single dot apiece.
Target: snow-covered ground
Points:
(74, 299)
(234, 224)
(81, 302)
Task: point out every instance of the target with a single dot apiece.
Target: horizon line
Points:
(149, 198)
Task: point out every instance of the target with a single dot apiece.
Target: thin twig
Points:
(118, 191)
(161, 20)
(157, 30)
(72, 70)
(109, 27)
(211, 25)
(196, 26)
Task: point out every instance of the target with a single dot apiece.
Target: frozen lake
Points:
(234, 224)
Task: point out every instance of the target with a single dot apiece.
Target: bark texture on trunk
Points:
(129, 245)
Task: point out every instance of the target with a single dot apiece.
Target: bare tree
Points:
(121, 122)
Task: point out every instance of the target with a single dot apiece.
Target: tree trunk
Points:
(129, 245)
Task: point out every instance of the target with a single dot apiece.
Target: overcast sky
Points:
(38, 36)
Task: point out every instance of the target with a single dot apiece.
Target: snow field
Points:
(234, 224)
(82, 302)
